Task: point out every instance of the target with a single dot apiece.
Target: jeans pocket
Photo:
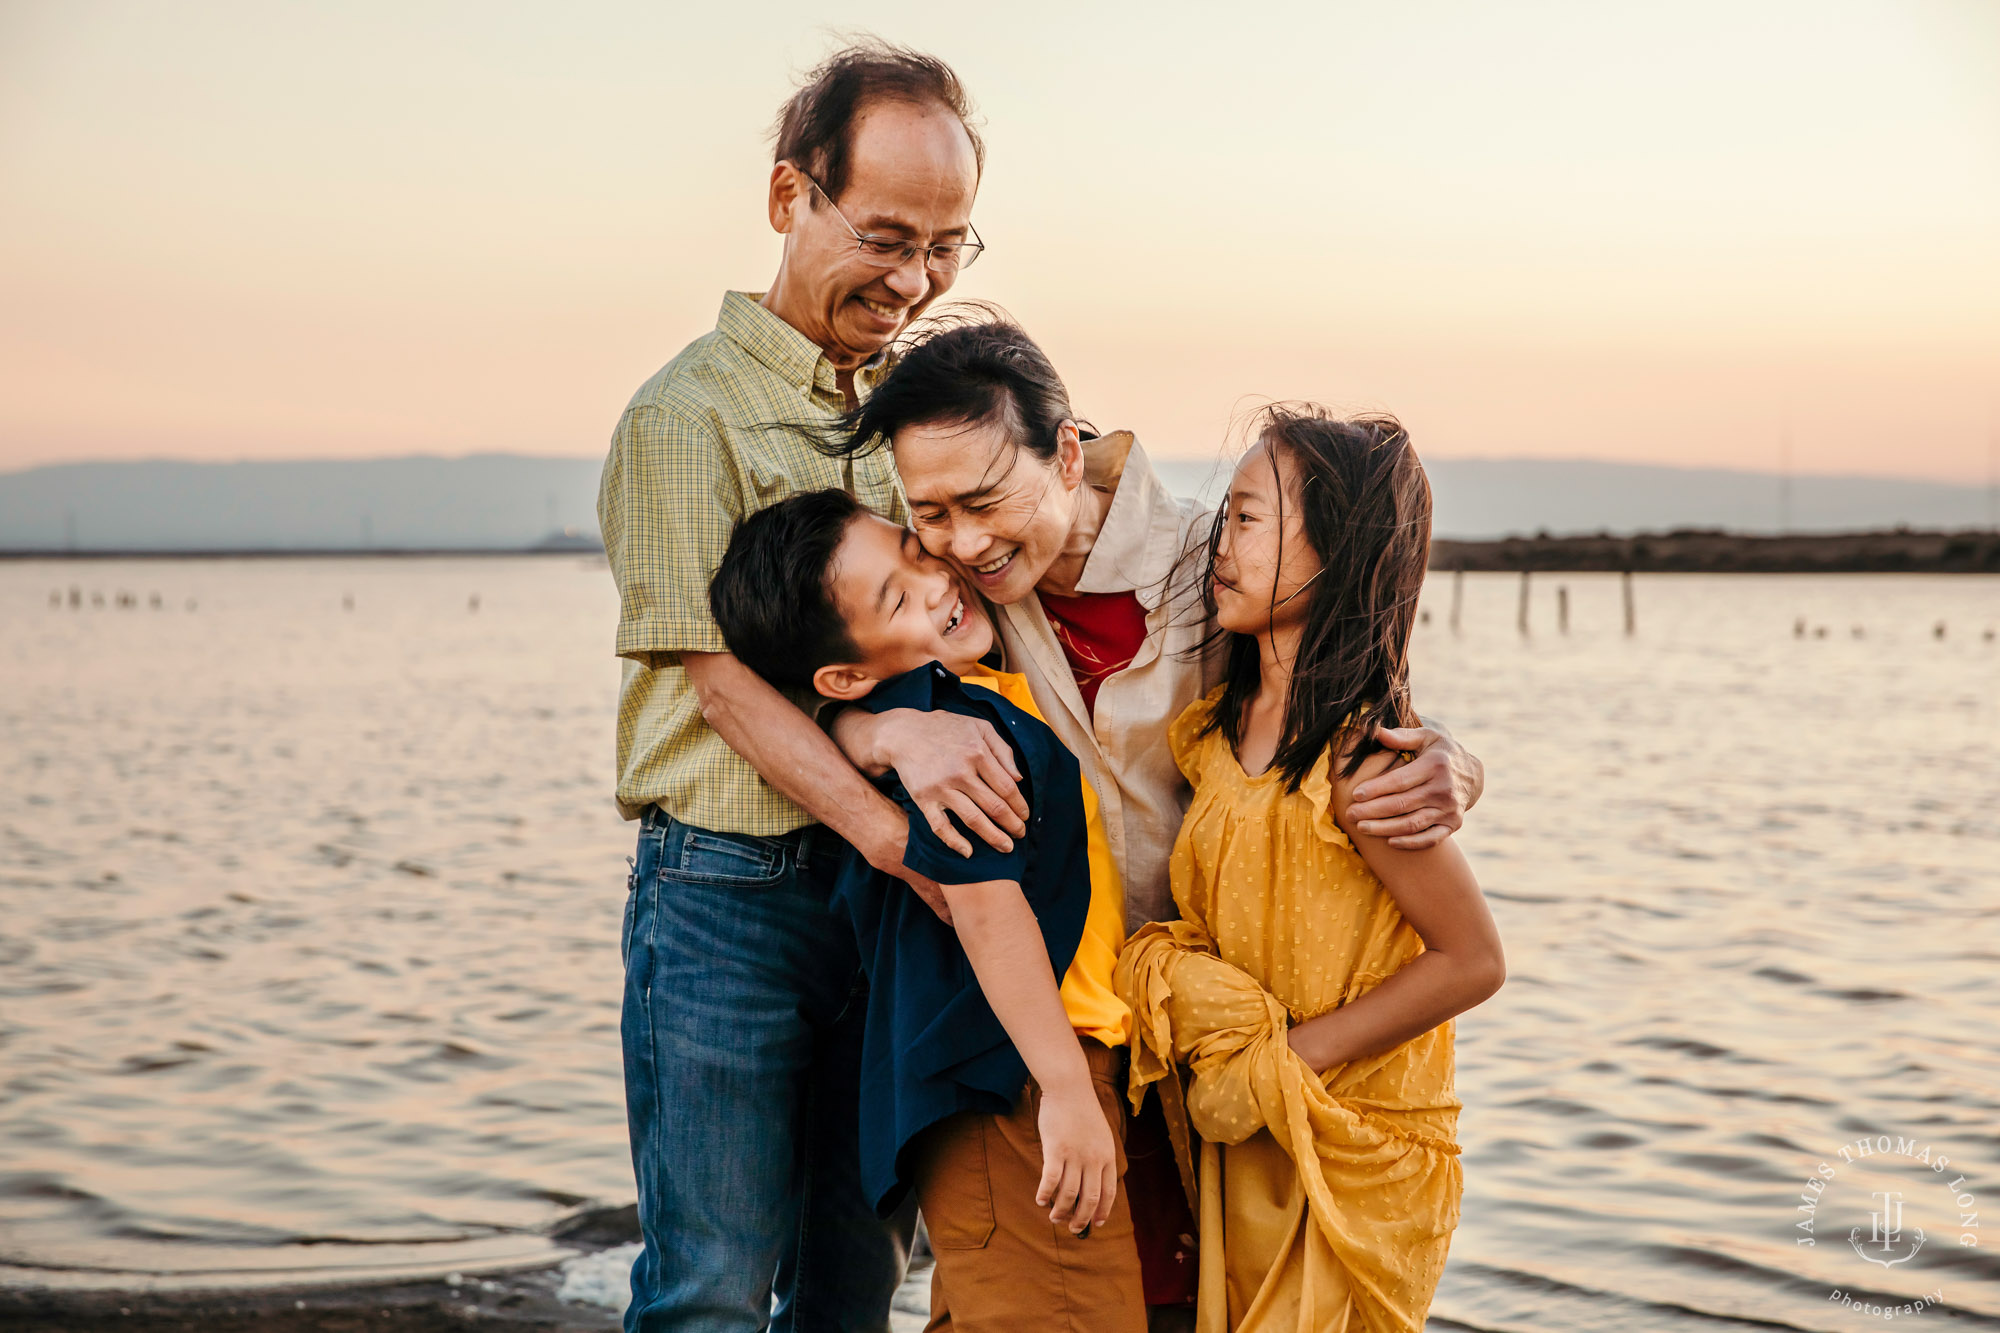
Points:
(631, 904)
(718, 858)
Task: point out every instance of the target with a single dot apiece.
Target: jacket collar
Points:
(1140, 541)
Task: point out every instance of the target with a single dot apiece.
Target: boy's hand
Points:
(1079, 1160)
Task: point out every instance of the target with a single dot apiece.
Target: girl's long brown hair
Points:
(1366, 507)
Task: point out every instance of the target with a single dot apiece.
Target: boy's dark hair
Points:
(770, 594)
(1366, 510)
(815, 128)
(966, 367)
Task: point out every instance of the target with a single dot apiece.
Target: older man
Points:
(740, 1033)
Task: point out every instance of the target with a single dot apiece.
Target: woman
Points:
(1075, 539)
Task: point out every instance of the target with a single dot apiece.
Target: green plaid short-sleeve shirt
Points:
(704, 443)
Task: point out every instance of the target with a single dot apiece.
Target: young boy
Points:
(986, 1086)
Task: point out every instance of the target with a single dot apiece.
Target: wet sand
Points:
(516, 1301)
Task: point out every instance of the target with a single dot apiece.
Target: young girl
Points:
(1310, 984)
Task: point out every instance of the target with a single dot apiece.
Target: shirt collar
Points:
(785, 351)
(1140, 539)
(916, 689)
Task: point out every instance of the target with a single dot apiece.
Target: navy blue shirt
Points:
(932, 1045)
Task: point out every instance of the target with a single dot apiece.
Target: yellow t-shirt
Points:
(1093, 1007)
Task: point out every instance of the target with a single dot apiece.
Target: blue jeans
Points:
(744, 1001)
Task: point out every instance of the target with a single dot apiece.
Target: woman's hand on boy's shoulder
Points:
(1420, 803)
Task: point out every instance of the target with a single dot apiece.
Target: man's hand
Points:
(1079, 1159)
(1421, 803)
(949, 763)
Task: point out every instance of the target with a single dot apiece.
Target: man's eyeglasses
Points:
(890, 252)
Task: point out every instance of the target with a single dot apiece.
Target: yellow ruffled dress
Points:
(1327, 1202)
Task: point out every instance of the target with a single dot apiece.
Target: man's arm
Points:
(795, 756)
(1419, 804)
(950, 764)
(1009, 957)
(668, 501)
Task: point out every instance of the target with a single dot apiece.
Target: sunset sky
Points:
(1653, 232)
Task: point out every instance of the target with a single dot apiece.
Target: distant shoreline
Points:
(1713, 551)
(1682, 551)
(303, 553)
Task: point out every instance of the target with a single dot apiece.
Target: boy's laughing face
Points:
(904, 608)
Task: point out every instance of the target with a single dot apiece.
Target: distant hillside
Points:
(487, 500)
(498, 500)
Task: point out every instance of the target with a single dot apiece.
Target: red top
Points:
(1100, 634)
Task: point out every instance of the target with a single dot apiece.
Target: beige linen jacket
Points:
(1124, 751)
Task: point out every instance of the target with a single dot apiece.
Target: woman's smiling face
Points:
(995, 510)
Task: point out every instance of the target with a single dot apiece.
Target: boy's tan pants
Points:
(1001, 1264)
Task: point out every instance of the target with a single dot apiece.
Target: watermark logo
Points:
(1884, 1231)
(1907, 1186)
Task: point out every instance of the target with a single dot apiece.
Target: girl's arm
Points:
(1462, 963)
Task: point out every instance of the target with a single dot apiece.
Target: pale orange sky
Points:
(1650, 233)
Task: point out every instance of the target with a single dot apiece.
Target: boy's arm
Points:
(1004, 943)
(1462, 963)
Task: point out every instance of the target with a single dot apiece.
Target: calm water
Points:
(308, 955)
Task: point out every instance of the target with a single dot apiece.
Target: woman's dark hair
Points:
(1366, 510)
(815, 128)
(964, 368)
(770, 596)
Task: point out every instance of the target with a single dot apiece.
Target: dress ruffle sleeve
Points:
(1317, 788)
(1184, 734)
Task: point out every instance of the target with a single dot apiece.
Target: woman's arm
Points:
(1462, 963)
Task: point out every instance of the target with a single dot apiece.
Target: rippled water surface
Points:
(309, 944)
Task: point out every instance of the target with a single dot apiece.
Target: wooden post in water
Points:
(1562, 608)
(1521, 616)
(1457, 593)
(1631, 619)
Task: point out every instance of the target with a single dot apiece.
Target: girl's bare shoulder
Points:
(1344, 783)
